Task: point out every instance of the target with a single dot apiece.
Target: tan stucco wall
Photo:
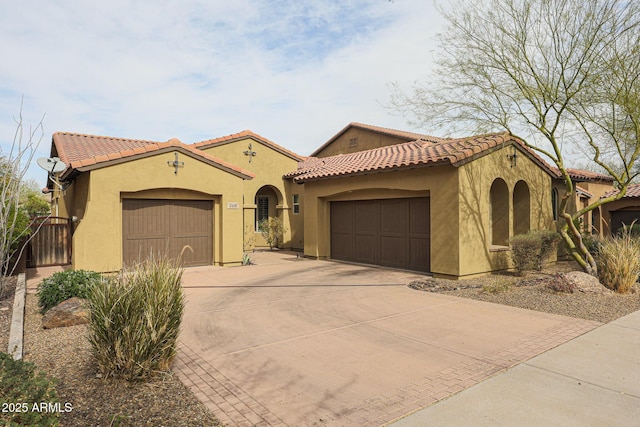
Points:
(97, 240)
(365, 140)
(439, 183)
(269, 166)
(476, 177)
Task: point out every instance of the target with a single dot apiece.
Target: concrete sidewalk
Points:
(593, 380)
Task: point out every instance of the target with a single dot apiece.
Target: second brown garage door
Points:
(167, 226)
(388, 232)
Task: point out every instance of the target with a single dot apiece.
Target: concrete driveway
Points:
(300, 342)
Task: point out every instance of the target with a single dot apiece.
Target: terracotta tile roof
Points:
(407, 136)
(424, 152)
(633, 191)
(583, 175)
(85, 152)
(243, 135)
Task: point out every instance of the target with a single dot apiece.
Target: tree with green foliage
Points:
(558, 74)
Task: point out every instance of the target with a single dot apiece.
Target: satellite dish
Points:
(51, 165)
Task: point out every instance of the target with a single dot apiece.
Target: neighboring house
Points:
(614, 215)
(589, 187)
(369, 194)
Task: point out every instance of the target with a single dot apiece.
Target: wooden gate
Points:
(50, 242)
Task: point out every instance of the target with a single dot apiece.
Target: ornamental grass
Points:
(618, 261)
(135, 319)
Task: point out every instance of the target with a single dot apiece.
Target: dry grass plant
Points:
(619, 262)
(498, 285)
(135, 319)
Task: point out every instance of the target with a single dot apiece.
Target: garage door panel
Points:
(393, 216)
(392, 251)
(419, 254)
(419, 216)
(389, 232)
(366, 218)
(365, 249)
(342, 217)
(342, 246)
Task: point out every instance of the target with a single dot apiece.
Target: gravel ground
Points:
(531, 292)
(6, 308)
(64, 353)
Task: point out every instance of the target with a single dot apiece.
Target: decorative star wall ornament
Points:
(250, 152)
(176, 164)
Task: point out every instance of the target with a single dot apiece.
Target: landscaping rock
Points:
(68, 313)
(586, 283)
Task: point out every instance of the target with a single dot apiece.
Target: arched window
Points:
(554, 203)
(521, 208)
(499, 211)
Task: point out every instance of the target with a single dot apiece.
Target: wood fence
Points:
(50, 242)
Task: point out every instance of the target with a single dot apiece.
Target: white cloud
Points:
(294, 71)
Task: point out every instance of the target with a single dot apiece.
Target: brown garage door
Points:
(390, 232)
(161, 226)
(623, 218)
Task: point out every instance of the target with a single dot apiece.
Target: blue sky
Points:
(295, 72)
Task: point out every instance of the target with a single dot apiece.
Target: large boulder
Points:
(71, 312)
(586, 283)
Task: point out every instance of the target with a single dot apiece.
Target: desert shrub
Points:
(529, 251)
(64, 285)
(22, 386)
(497, 285)
(135, 319)
(618, 262)
(592, 242)
(559, 283)
(272, 230)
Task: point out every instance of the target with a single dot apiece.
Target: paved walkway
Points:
(290, 342)
(593, 380)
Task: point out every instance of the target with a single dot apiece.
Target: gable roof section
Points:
(83, 153)
(407, 136)
(244, 135)
(424, 152)
(633, 191)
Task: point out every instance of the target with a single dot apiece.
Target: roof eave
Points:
(373, 171)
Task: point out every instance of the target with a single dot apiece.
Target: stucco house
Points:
(369, 194)
(589, 187)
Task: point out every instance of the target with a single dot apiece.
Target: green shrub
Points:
(135, 319)
(272, 229)
(64, 285)
(592, 242)
(22, 386)
(529, 251)
(618, 262)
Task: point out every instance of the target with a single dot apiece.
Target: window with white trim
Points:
(296, 204)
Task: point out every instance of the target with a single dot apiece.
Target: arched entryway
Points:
(267, 200)
(499, 211)
(521, 208)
